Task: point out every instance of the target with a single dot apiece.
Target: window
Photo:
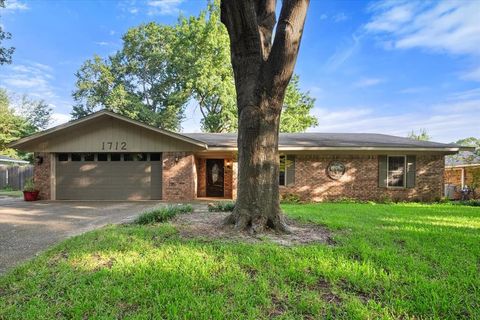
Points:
(127, 157)
(155, 156)
(115, 157)
(282, 177)
(76, 157)
(89, 157)
(141, 157)
(102, 157)
(63, 157)
(396, 171)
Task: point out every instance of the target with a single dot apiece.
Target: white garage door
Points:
(108, 176)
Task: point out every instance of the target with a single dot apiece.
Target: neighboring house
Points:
(461, 170)
(8, 161)
(105, 156)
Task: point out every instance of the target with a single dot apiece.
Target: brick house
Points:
(105, 156)
(461, 170)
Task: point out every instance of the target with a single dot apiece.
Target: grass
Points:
(11, 193)
(162, 214)
(389, 261)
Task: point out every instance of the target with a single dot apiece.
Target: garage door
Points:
(104, 176)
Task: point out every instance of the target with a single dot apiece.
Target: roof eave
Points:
(285, 148)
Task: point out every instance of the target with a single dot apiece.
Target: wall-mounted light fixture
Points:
(177, 159)
(228, 163)
(39, 160)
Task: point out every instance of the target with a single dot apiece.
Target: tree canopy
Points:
(5, 52)
(422, 135)
(29, 117)
(162, 68)
(470, 142)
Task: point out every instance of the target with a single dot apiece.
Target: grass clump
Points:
(221, 207)
(162, 214)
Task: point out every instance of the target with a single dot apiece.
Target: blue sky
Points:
(387, 67)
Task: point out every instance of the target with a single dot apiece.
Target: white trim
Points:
(462, 179)
(459, 166)
(14, 161)
(404, 171)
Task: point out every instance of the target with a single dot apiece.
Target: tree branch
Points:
(280, 64)
(266, 22)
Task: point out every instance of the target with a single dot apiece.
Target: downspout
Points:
(463, 178)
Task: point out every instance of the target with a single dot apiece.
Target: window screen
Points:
(155, 156)
(127, 157)
(396, 171)
(115, 157)
(102, 157)
(281, 177)
(89, 157)
(141, 157)
(63, 157)
(76, 157)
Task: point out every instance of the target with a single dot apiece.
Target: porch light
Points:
(38, 160)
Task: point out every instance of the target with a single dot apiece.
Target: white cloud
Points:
(14, 5)
(450, 27)
(31, 78)
(473, 74)
(445, 122)
(368, 82)
(339, 17)
(59, 118)
(164, 7)
(344, 53)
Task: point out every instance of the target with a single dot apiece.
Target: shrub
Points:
(29, 185)
(221, 207)
(290, 198)
(162, 214)
(469, 203)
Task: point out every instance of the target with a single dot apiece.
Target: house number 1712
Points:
(114, 145)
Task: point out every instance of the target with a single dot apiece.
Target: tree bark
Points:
(262, 71)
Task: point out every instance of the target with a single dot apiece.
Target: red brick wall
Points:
(360, 180)
(454, 176)
(41, 176)
(179, 177)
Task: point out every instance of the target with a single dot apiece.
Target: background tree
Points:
(13, 126)
(37, 113)
(263, 66)
(297, 106)
(206, 64)
(139, 81)
(422, 135)
(149, 81)
(27, 117)
(470, 142)
(5, 52)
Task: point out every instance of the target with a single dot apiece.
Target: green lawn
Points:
(11, 193)
(389, 261)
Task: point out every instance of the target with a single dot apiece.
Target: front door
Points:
(215, 178)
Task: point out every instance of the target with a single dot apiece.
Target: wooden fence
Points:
(15, 176)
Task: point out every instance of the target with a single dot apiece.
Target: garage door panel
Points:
(109, 180)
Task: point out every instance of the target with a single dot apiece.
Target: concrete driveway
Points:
(26, 228)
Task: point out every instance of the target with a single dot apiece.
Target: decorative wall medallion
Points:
(336, 170)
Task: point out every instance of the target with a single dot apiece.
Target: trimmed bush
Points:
(469, 203)
(221, 207)
(162, 214)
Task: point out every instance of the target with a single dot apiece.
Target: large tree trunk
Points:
(262, 72)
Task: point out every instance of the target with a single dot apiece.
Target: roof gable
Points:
(95, 132)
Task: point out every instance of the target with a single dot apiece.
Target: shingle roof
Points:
(462, 158)
(317, 139)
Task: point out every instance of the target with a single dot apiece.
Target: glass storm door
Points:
(215, 178)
